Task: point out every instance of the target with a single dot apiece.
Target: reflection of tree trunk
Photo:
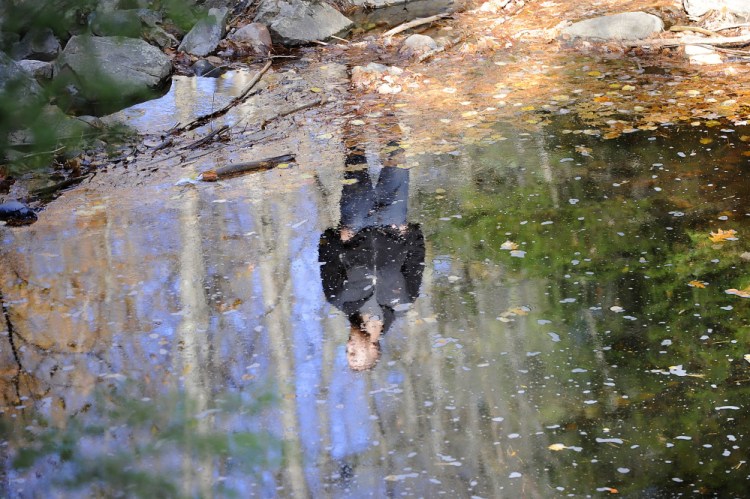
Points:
(192, 360)
(274, 275)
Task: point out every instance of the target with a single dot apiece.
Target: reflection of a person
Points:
(372, 264)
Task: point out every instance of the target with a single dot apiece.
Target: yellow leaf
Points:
(628, 88)
(697, 284)
(556, 447)
(349, 181)
(528, 108)
(723, 235)
(744, 138)
(594, 73)
(706, 140)
(316, 89)
(713, 123)
(282, 165)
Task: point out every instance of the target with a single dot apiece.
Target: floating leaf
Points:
(697, 284)
(738, 292)
(706, 140)
(723, 235)
(509, 245)
(556, 447)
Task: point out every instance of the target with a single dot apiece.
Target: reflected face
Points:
(362, 352)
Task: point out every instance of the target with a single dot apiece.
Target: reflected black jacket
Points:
(376, 261)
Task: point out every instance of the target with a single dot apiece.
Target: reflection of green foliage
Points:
(131, 445)
(647, 270)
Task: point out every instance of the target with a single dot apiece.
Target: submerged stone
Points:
(625, 26)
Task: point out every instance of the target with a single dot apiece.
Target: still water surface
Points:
(554, 317)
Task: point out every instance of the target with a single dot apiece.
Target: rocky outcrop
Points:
(206, 34)
(97, 69)
(297, 22)
(625, 26)
(38, 44)
(17, 82)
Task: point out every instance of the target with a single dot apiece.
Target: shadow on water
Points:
(555, 305)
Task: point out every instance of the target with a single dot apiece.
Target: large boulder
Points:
(39, 44)
(297, 22)
(206, 34)
(625, 26)
(733, 8)
(108, 72)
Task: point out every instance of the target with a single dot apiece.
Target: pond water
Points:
(555, 317)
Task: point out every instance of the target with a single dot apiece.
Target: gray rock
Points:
(150, 17)
(40, 70)
(38, 44)
(625, 26)
(417, 45)
(206, 34)
(157, 36)
(736, 8)
(15, 213)
(111, 69)
(16, 82)
(297, 22)
(254, 36)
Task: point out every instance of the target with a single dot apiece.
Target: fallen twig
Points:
(413, 24)
(208, 138)
(48, 191)
(695, 29)
(282, 114)
(237, 100)
(674, 42)
(237, 168)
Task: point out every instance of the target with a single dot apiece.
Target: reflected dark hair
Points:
(356, 320)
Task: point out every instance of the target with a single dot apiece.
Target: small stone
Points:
(205, 68)
(702, 55)
(418, 45)
(254, 36)
(41, 70)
